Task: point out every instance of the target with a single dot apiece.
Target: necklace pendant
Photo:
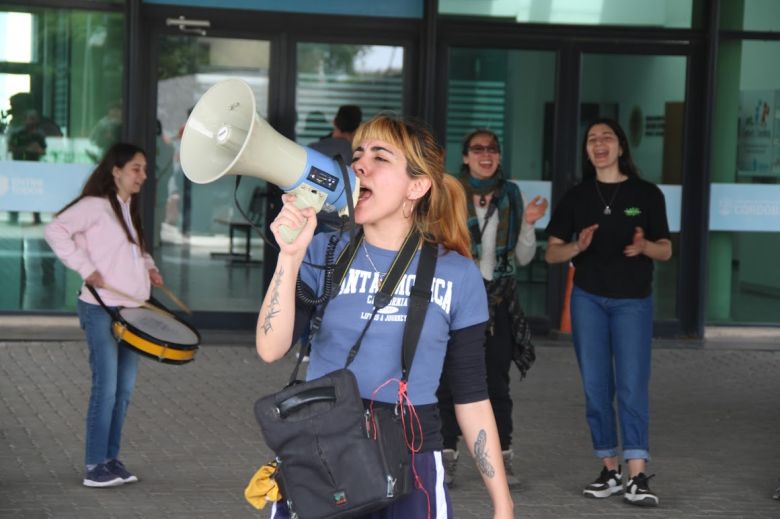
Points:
(482, 201)
(607, 211)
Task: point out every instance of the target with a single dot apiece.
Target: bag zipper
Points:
(325, 462)
(391, 481)
(288, 499)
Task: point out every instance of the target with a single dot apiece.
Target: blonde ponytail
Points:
(446, 217)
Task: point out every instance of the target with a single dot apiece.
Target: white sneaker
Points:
(609, 483)
(638, 491)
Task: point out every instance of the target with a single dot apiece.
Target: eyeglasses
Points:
(478, 148)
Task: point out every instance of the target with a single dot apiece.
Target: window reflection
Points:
(61, 75)
(16, 37)
(332, 75)
(744, 238)
(511, 92)
(205, 250)
(656, 13)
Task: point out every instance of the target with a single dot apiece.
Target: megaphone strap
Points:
(397, 269)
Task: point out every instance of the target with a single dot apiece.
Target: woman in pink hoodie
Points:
(99, 235)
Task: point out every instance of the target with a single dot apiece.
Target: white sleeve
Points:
(526, 240)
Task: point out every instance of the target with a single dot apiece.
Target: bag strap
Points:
(399, 266)
(418, 303)
(382, 298)
(110, 312)
(418, 306)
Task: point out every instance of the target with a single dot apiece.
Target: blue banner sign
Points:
(47, 187)
(745, 207)
(40, 186)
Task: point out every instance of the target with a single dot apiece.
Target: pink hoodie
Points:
(88, 237)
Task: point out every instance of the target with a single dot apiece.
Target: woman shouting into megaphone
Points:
(404, 191)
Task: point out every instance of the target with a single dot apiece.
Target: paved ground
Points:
(192, 439)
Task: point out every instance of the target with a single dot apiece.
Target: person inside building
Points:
(339, 142)
(27, 142)
(613, 226)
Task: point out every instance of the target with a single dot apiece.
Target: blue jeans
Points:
(113, 377)
(612, 339)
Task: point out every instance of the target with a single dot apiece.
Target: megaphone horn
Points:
(225, 136)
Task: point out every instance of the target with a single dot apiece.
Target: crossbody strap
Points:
(418, 306)
(383, 297)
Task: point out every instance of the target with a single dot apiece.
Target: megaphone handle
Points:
(290, 233)
(305, 196)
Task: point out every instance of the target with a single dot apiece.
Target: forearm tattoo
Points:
(481, 455)
(273, 305)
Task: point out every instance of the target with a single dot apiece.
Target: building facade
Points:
(694, 82)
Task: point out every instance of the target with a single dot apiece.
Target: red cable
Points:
(404, 400)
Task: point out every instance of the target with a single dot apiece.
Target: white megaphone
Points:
(225, 136)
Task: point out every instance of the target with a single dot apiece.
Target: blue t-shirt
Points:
(458, 300)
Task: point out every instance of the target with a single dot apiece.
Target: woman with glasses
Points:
(502, 232)
(612, 226)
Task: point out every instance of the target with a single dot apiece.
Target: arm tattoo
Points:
(273, 305)
(481, 455)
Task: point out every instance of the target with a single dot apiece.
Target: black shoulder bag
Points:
(335, 458)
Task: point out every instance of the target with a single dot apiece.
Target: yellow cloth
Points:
(262, 487)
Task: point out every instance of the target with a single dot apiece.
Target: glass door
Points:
(331, 75)
(512, 93)
(206, 251)
(646, 95)
(60, 108)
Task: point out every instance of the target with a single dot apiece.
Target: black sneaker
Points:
(638, 491)
(117, 468)
(609, 483)
(101, 477)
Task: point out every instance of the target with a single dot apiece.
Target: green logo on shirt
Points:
(633, 211)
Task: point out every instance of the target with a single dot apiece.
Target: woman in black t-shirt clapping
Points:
(612, 225)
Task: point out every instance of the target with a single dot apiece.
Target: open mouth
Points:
(365, 193)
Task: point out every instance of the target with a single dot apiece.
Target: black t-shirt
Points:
(603, 269)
